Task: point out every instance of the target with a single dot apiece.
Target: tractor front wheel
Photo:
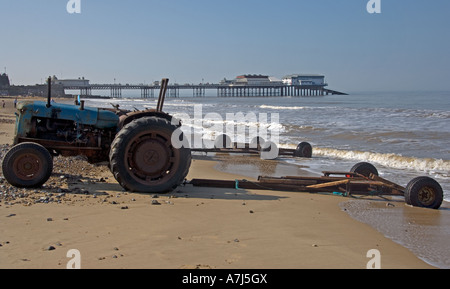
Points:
(27, 165)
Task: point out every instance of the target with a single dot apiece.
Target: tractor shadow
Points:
(83, 185)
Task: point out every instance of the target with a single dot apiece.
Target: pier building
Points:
(304, 79)
(70, 82)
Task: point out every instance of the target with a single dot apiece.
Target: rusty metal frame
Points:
(348, 184)
(243, 149)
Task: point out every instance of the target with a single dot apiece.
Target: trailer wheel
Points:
(257, 142)
(269, 151)
(364, 169)
(27, 165)
(143, 158)
(223, 141)
(407, 199)
(424, 192)
(304, 150)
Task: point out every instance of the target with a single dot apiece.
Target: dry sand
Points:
(82, 207)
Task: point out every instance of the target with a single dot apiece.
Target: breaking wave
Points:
(282, 107)
(389, 160)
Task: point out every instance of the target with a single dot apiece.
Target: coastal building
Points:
(226, 82)
(275, 81)
(265, 80)
(253, 80)
(4, 84)
(70, 82)
(4, 81)
(304, 79)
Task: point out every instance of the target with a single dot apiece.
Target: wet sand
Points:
(423, 231)
(191, 227)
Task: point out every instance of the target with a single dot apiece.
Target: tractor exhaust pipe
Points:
(162, 94)
(49, 95)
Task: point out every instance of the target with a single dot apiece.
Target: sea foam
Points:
(390, 160)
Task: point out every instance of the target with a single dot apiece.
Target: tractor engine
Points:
(74, 134)
(68, 130)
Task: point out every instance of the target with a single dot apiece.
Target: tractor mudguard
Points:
(129, 117)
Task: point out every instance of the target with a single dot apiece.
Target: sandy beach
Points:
(82, 207)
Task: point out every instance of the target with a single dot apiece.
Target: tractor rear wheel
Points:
(143, 158)
(27, 165)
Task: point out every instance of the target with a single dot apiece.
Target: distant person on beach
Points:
(3, 103)
(15, 102)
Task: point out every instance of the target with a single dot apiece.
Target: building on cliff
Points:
(4, 84)
(4, 81)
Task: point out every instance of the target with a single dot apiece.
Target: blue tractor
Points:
(136, 144)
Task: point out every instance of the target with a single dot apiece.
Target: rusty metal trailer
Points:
(260, 147)
(362, 179)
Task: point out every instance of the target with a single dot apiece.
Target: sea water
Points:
(404, 134)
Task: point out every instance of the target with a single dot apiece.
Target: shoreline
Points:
(191, 227)
(422, 231)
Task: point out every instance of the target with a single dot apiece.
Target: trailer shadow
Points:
(189, 191)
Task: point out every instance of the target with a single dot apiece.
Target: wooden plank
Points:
(319, 179)
(366, 182)
(328, 173)
(268, 180)
(329, 184)
(388, 183)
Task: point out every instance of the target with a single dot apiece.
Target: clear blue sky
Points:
(406, 47)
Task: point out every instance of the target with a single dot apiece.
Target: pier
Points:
(249, 85)
(199, 90)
